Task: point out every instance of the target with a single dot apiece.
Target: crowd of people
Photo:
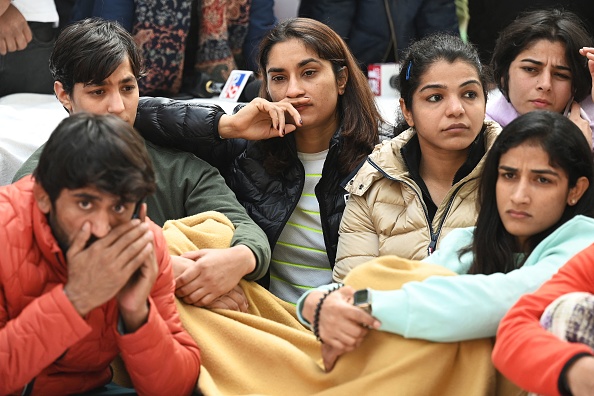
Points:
(158, 246)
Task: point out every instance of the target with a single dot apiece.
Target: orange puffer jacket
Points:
(44, 341)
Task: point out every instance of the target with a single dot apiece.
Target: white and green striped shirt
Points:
(299, 261)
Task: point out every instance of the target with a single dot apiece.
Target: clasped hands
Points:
(122, 265)
(210, 278)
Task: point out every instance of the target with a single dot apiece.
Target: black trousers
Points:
(28, 70)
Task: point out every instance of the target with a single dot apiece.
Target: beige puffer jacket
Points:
(385, 214)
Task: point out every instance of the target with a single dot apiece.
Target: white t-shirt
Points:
(299, 260)
(38, 10)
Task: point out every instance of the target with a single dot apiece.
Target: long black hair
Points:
(493, 247)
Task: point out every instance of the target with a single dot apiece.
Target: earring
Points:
(572, 202)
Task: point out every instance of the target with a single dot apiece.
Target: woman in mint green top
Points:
(536, 200)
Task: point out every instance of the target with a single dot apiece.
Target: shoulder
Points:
(492, 130)
(579, 227)
(499, 109)
(384, 160)
(15, 201)
(570, 238)
(160, 154)
(17, 208)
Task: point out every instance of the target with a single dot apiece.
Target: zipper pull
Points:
(432, 245)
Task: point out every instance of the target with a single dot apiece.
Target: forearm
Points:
(49, 324)
(244, 259)
(307, 303)
(530, 356)
(254, 246)
(525, 352)
(454, 308)
(133, 320)
(160, 356)
(159, 361)
(158, 121)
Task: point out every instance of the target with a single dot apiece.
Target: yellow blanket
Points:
(269, 352)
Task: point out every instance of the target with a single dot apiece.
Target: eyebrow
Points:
(539, 63)
(537, 171)
(87, 196)
(300, 64)
(441, 86)
(126, 80)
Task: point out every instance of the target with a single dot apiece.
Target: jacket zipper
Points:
(295, 202)
(434, 236)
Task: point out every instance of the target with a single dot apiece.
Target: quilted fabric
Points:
(43, 337)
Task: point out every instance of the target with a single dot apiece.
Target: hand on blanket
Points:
(342, 326)
(234, 300)
(15, 33)
(207, 274)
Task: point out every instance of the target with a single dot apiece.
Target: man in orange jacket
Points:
(83, 275)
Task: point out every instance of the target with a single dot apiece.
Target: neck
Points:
(315, 140)
(441, 165)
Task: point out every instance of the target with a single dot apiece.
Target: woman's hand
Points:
(588, 52)
(261, 119)
(342, 326)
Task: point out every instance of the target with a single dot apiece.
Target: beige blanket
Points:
(269, 352)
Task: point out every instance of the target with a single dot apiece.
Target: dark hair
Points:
(356, 110)
(553, 25)
(423, 53)
(90, 50)
(493, 247)
(96, 150)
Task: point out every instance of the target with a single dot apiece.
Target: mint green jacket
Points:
(457, 308)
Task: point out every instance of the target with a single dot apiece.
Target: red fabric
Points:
(527, 354)
(43, 337)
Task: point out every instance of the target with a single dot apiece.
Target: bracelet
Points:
(316, 319)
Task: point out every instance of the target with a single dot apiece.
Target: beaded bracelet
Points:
(316, 319)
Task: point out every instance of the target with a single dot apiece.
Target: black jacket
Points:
(268, 199)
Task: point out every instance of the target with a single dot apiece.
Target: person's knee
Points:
(571, 317)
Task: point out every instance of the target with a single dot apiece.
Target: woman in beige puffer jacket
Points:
(387, 215)
(414, 189)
